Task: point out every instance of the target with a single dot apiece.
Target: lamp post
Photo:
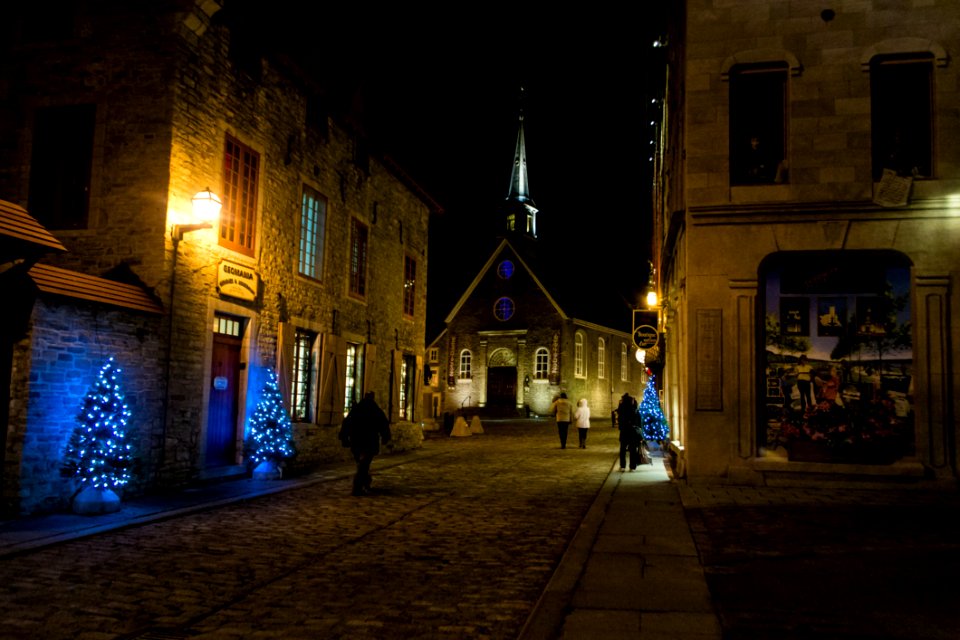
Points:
(206, 210)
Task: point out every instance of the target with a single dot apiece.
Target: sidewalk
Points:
(631, 570)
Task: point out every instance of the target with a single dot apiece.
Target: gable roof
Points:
(504, 244)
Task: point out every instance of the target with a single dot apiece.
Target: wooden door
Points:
(224, 396)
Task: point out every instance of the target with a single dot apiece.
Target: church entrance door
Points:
(502, 387)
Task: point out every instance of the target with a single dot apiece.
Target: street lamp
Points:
(206, 210)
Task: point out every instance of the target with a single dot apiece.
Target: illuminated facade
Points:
(806, 226)
(315, 268)
(521, 334)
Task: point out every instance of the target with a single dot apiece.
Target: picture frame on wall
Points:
(795, 316)
(831, 316)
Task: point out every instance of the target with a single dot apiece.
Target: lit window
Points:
(503, 309)
(358, 259)
(313, 215)
(601, 358)
(466, 371)
(304, 372)
(505, 269)
(434, 354)
(541, 365)
(354, 377)
(579, 360)
(238, 217)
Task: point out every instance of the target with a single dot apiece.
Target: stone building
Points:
(524, 331)
(113, 116)
(806, 240)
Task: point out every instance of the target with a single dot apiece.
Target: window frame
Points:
(601, 358)
(359, 251)
(756, 88)
(541, 364)
(579, 356)
(465, 370)
(241, 192)
(313, 220)
(302, 374)
(409, 286)
(895, 97)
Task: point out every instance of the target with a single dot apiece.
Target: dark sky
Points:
(443, 92)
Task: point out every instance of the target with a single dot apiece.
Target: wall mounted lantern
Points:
(206, 210)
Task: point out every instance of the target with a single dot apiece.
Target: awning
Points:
(73, 284)
(16, 223)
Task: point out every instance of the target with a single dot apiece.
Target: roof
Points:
(16, 223)
(73, 284)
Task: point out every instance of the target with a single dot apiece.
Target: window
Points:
(433, 355)
(60, 166)
(758, 123)
(624, 362)
(541, 364)
(505, 269)
(901, 104)
(409, 286)
(579, 364)
(354, 377)
(601, 358)
(466, 371)
(238, 217)
(408, 367)
(303, 375)
(503, 309)
(358, 258)
(313, 217)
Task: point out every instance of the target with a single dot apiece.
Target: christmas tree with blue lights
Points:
(270, 439)
(98, 454)
(652, 420)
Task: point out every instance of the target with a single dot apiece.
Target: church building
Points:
(522, 333)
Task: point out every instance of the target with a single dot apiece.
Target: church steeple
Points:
(521, 211)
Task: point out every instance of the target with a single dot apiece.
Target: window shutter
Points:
(369, 367)
(285, 336)
(332, 380)
(395, 382)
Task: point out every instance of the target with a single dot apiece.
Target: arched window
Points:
(579, 357)
(601, 358)
(624, 362)
(541, 364)
(466, 360)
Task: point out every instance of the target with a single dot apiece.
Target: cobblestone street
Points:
(458, 539)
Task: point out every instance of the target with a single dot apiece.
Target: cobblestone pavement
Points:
(829, 563)
(458, 540)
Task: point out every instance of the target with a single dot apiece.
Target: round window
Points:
(505, 269)
(503, 309)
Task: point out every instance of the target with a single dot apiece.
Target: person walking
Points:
(582, 418)
(363, 430)
(563, 410)
(628, 421)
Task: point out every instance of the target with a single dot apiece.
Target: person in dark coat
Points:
(628, 421)
(364, 428)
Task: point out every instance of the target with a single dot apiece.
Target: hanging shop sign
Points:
(237, 281)
(645, 336)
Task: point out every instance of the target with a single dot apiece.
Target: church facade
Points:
(512, 343)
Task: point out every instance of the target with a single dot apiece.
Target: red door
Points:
(222, 414)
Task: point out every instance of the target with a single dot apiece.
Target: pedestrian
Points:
(364, 428)
(563, 410)
(582, 416)
(628, 420)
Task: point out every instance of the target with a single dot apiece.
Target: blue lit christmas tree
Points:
(652, 420)
(270, 439)
(98, 454)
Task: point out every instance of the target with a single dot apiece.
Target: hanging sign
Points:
(645, 336)
(237, 281)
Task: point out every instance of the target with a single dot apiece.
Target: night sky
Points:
(442, 96)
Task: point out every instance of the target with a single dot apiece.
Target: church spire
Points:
(521, 211)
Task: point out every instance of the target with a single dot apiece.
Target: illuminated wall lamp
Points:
(206, 209)
(652, 299)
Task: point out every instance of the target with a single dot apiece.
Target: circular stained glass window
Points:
(503, 309)
(505, 269)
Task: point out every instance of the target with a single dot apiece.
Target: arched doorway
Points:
(502, 380)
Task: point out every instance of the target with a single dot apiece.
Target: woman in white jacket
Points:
(582, 418)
